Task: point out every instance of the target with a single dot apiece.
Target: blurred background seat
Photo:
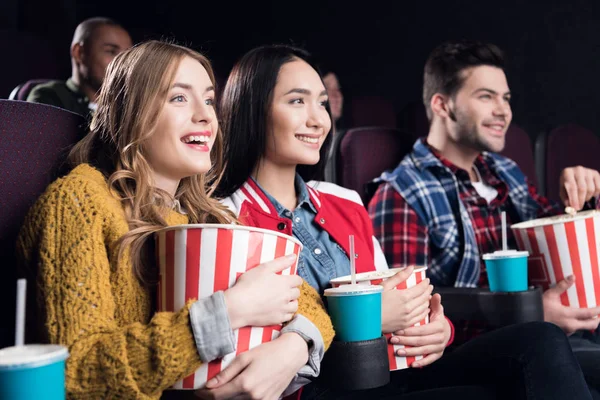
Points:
(364, 153)
(371, 111)
(519, 149)
(565, 146)
(34, 141)
(22, 91)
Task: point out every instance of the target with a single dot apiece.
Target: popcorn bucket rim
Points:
(360, 276)
(549, 221)
(230, 227)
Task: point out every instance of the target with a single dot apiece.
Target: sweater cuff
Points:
(316, 347)
(211, 327)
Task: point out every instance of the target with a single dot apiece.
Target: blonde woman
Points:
(154, 144)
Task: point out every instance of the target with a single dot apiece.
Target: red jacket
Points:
(340, 213)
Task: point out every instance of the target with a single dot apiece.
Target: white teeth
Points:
(201, 139)
(307, 139)
(495, 127)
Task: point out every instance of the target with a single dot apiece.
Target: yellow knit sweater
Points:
(92, 302)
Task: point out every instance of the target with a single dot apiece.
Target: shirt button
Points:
(322, 221)
(297, 219)
(355, 255)
(318, 251)
(281, 226)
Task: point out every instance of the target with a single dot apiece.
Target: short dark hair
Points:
(446, 62)
(245, 108)
(86, 28)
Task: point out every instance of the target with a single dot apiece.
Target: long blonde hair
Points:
(132, 96)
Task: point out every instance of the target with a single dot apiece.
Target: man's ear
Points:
(440, 106)
(77, 52)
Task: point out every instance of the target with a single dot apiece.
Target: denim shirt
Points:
(321, 259)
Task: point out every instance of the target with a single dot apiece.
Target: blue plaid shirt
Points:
(432, 191)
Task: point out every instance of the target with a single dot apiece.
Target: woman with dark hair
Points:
(276, 128)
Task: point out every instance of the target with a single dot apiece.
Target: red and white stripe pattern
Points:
(397, 362)
(562, 249)
(196, 262)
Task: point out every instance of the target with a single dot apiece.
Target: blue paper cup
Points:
(507, 270)
(355, 311)
(33, 371)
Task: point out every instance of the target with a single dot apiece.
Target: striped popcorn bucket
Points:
(561, 246)
(376, 278)
(196, 261)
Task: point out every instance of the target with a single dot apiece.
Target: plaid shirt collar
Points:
(425, 156)
(484, 169)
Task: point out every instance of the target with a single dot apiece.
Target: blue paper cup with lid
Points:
(507, 270)
(355, 311)
(35, 371)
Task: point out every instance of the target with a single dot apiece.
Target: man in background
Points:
(95, 43)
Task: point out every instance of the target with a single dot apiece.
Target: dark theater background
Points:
(376, 47)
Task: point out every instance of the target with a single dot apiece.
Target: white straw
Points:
(504, 245)
(20, 323)
(352, 261)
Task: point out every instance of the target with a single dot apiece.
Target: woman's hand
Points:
(402, 308)
(430, 339)
(262, 373)
(261, 297)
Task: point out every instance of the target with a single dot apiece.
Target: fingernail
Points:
(416, 365)
(290, 257)
(401, 352)
(394, 339)
(401, 332)
(213, 381)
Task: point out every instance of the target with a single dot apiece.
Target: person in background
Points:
(277, 129)
(149, 161)
(336, 104)
(95, 43)
(442, 205)
(336, 97)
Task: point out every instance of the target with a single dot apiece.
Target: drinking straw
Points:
(504, 245)
(20, 322)
(352, 261)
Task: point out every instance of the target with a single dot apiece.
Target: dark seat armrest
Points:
(495, 309)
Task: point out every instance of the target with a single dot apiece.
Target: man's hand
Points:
(568, 318)
(578, 185)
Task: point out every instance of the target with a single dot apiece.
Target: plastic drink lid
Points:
(505, 254)
(32, 355)
(353, 290)
(368, 276)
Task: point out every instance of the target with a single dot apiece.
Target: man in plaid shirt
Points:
(441, 206)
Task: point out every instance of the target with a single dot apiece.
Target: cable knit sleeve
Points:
(94, 305)
(311, 306)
